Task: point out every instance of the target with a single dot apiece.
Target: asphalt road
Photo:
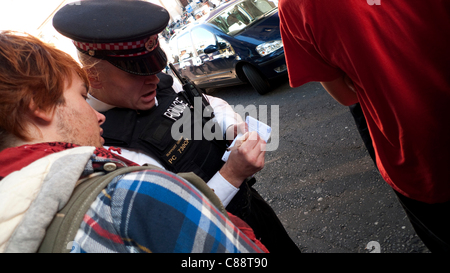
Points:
(320, 180)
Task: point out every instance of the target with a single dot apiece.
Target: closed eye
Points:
(85, 91)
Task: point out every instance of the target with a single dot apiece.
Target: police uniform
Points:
(224, 116)
(125, 33)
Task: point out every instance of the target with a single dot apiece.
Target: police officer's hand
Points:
(235, 129)
(246, 159)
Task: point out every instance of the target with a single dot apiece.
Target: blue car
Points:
(238, 42)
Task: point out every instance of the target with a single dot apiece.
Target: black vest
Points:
(150, 131)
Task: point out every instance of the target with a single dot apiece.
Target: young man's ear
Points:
(40, 115)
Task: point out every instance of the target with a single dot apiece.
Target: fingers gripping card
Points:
(261, 128)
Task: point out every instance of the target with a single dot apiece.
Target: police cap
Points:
(125, 33)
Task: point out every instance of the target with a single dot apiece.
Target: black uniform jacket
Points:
(150, 131)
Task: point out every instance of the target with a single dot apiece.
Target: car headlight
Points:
(269, 47)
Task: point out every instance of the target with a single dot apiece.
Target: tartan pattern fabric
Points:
(156, 211)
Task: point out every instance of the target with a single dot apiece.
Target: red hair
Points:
(31, 71)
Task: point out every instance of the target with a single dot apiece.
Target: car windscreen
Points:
(236, 17)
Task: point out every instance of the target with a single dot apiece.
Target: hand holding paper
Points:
(245, 161)
(262, 129)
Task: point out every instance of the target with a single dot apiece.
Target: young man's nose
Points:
(100, 117)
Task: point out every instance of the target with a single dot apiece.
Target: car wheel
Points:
(258, 81)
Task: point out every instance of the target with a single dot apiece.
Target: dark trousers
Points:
(430, 221)
(361, 125)
(254, 210)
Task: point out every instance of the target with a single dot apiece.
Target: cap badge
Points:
(152, 42)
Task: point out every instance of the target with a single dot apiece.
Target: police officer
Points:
(118, 45)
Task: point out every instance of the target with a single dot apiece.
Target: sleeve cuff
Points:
(222, 188)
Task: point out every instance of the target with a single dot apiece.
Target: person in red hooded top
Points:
(392, 58)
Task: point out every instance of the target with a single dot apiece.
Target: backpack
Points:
(64, 227)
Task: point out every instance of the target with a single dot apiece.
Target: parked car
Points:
(238, 42)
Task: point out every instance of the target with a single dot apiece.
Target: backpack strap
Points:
(64, 227)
